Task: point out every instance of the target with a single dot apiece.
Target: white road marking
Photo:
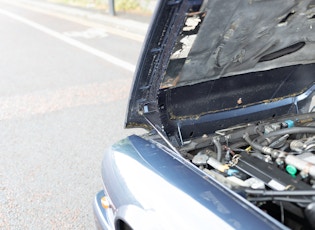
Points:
(82, 21)
(105, 56)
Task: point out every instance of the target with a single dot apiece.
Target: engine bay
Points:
(269, 162)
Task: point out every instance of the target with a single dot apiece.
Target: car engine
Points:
(271, 163)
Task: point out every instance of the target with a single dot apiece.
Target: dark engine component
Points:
(272, 161)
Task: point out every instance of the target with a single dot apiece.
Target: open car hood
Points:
(207, 65)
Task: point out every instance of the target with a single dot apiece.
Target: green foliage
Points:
(127, 5)
(120, 5)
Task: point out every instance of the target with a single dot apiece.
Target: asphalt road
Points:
(64, 86)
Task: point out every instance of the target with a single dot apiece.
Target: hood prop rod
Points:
(160, 132)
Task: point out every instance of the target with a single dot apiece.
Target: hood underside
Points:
(238, 37)
(210, 64)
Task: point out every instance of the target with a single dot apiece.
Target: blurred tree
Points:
(125, 5)
(111, 7)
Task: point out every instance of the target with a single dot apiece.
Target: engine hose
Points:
(238, 145)
(293, 130)
(218, 146)
(264, 149)
(258, 155)
(252, 143)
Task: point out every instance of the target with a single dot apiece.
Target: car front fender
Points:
(150, 187)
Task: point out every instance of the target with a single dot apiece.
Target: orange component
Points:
(105, 203)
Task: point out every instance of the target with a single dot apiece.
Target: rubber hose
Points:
(252, 143)
(293, 130)
(219, 148)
